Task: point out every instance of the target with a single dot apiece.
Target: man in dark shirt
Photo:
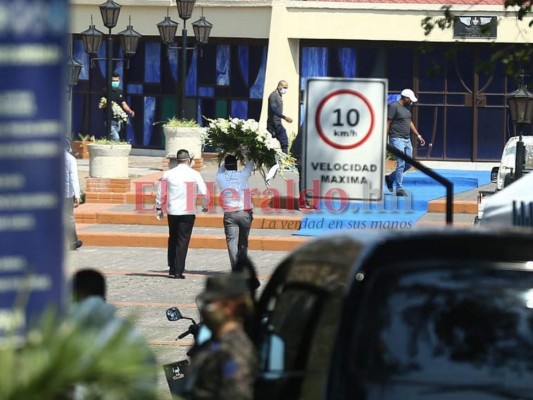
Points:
(117, 97)
(275, 115)
(399, 127)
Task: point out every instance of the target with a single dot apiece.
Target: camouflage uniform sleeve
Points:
(236, 376)
(225, 371)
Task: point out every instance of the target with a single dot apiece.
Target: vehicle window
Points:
(447, 334)
(293, 315)
(295, 311)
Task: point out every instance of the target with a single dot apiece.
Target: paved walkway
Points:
(138, 286)
(137, 281)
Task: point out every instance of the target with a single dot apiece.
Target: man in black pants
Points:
(275, 115)
(183, 184)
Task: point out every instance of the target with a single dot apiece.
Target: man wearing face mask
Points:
(117, 97)
(225, 366)
(275, 115)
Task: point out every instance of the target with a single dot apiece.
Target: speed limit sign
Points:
(344, 138)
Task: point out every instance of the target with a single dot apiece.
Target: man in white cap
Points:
(399, 127)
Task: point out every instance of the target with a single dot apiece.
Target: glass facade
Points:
(223, 79)
(461, 112)
(461, 109)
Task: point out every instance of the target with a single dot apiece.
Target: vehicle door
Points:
(434, 328)
(298, 313)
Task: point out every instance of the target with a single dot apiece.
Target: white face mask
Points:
(283, 91)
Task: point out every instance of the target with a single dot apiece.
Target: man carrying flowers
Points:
(119, 109)
(236, 200)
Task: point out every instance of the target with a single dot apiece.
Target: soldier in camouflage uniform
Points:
(224, 367)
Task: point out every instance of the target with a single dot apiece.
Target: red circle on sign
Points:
(319, 127)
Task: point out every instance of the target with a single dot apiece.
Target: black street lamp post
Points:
(92, 38)
(521, 106)
(167, 30)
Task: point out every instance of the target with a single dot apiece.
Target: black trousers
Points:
(179, 236)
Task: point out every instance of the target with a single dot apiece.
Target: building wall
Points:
(285, 25)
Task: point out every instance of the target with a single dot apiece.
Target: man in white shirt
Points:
(182, 184)
(72, 194)
(236, 201)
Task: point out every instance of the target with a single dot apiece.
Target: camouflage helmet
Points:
(225, 286)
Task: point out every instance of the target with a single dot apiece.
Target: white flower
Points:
(118, 112)
(230, 135)
(272, 144)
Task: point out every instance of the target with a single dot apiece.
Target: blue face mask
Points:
(115, 85)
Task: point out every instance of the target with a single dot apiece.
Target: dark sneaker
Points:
(76, 245)
(401, 192)
(180, 276)
(388, 182)
(306, 206)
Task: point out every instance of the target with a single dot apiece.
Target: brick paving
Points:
(138, 286)
(136, 276)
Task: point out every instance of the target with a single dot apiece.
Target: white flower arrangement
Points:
(230, 136)
(118, 112)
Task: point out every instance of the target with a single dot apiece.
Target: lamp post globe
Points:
(91, 38)
(74, 70)
(185, 8)
(167, 30)
(129, 40)
(110, 12)
(521, 108)
(202, 29)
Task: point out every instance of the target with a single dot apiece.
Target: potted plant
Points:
(183, 134)
(64, 357)
(109, 159)
(80, 147)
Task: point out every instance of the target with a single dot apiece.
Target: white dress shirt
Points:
(234, 191)
(72, 183)
(183, 185)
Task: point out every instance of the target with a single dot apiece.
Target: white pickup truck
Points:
(503, 176)
(510, 206)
